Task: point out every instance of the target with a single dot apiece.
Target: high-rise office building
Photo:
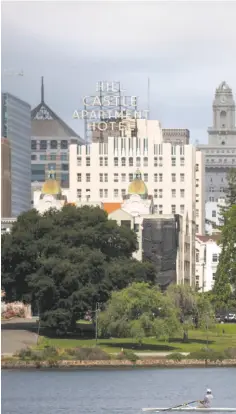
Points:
(5, 178)
(16, 127)
(50, 141)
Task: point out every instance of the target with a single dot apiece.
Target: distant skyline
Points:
(183, 47)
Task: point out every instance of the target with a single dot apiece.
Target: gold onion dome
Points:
(138, 186)
(51, 186)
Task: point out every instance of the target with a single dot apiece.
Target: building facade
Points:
(172, 173)
(50, 142)
(214, 215)
(207, 259)
(16, 127)
(5, 178)
(220, 152)
(176, 136)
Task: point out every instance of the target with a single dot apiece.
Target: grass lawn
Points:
(223, 336)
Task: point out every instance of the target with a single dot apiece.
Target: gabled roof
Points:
(45, 122)
(208, 238)
(110, 207)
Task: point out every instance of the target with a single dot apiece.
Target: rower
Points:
(206, 403)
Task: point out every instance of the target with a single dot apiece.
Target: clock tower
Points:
(223, 131)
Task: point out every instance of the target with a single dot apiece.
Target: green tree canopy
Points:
(68, 260)
(225, 283)
(139, 311)
(185, 300)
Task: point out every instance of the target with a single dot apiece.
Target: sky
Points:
(186, 49)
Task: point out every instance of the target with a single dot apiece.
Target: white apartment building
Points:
(207, 258)
(213, 214)
(173, 174)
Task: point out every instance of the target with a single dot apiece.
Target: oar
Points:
(177, 406)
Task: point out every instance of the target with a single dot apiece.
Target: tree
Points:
(67, 261)
(138, 311)
(225, 282)
(185, 300)
(231, 187)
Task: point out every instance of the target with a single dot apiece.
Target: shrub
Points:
(230, 353)
(50, 352)
(127, 354)
(175, 356)
(87, 354)
(209, 355)
(25, 353)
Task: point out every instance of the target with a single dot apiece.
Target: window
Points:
(155, 178)
(123, 178)
(173, 177)
(79, 192)
(197, 167)
(160, 209)
(197, 228)
(182, 178)
(105, 193)
(173, 209)
(138, 162)
(130, 177)
(155, 208)
(173, 162)
(116, 193)
(145, 162)
(182, 209)
(79, 178)
(214, 276)
(116, 162)
(197, 256)
(123, 192)
(64, 157)
(64, 144)
(42, 157)
(33, 157)
(101, 178)
(215, 257)
(145, 178)
(87, 161)
(87, 178)
(182, 161)
(116, 178)
(197, 213)
(65, 167)
(53, 144)
(160, 161)
(79, 161)
(43, 145)
(155, 161)
(33, 145)
(173, 193)
(155, 193)
(53, 157)
(101, 193)
(101, 162)
(182, 193)
(106, 162)
(123, 162)
(136, 227)
(160, 193)
(213, 213)
(160, 178)
(131, 162)
(106, 178)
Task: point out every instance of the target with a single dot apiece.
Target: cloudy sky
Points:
(185, 48)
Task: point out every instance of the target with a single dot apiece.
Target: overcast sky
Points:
(186, 48)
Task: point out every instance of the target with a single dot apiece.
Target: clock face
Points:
(223, 99)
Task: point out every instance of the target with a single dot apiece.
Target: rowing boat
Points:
(191, 409)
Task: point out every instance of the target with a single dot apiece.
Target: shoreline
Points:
(114, 364)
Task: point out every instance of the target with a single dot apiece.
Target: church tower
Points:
(223, 131)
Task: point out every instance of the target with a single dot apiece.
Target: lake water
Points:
(112, 391)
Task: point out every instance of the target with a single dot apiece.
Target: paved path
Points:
(14, 338)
